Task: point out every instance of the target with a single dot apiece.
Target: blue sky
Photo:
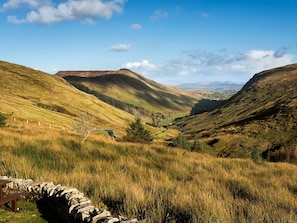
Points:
(169, 41)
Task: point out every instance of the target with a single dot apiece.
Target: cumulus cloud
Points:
(249, 61)
(120, 47)
(280, 52)
(143, 67)
(158, 14)
(136, 26)
(14, 4)
(180, 67)
(201, 65)
(221, 65)
(46, 12)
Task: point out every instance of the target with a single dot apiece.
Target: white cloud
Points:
(249, 62)
(281, 52)
(179, 67)
(136, 26)
(120, 47)
(258, 54)
(258, 60)
(14, 4)
(142, 67)
(169, 73)
(158, 14)
(217, 66)
(14, 19)
(44, 11)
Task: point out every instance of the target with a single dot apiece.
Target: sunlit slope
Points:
(132, 88)
(39, 97)
(265, 109)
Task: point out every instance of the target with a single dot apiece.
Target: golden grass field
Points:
(151, 181)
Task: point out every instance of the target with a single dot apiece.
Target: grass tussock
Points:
(160, 184)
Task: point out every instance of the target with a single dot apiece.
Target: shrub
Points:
(256, 155)
(196, 146)
(182, 142)
(84, 126)
(3, 118)
(137, 132)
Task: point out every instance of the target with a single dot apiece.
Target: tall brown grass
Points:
(150, 181)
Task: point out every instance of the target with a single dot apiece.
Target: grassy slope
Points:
(39, 97)
(152, 181)
(266, 104)
(138, 90)
(160, 183)
(29, 212)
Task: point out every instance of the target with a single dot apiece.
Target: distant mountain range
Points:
(215, 85)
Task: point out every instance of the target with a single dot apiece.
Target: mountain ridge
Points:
(263, 112)
(133, 89)
(40, 97)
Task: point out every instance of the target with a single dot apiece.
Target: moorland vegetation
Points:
(260, 119)
(133, 93)
(152, 182)
(149, 180)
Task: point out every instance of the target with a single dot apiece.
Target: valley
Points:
(229, 178)
(262, 116)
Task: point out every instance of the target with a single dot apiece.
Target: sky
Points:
(169, 41)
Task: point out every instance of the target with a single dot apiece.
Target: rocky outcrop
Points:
(70, 203)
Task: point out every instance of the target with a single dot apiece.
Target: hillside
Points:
(148, 181)
(262, 115)
(47, 99)
(132, 92)
(152, 182)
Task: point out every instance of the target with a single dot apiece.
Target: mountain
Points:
(132, 92)
(48, 99)
(260, 118)
(212, 86)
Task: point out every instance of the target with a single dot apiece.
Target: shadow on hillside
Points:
(205, 105)
(48, 212)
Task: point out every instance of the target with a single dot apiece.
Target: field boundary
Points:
(71, 204)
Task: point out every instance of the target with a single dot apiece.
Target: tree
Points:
(156, 118)
(84, 126)
(137, 132)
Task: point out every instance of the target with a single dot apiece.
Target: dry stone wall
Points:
(70, 203)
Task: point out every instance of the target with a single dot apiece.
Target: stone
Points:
(113, 220)
(79, 207)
